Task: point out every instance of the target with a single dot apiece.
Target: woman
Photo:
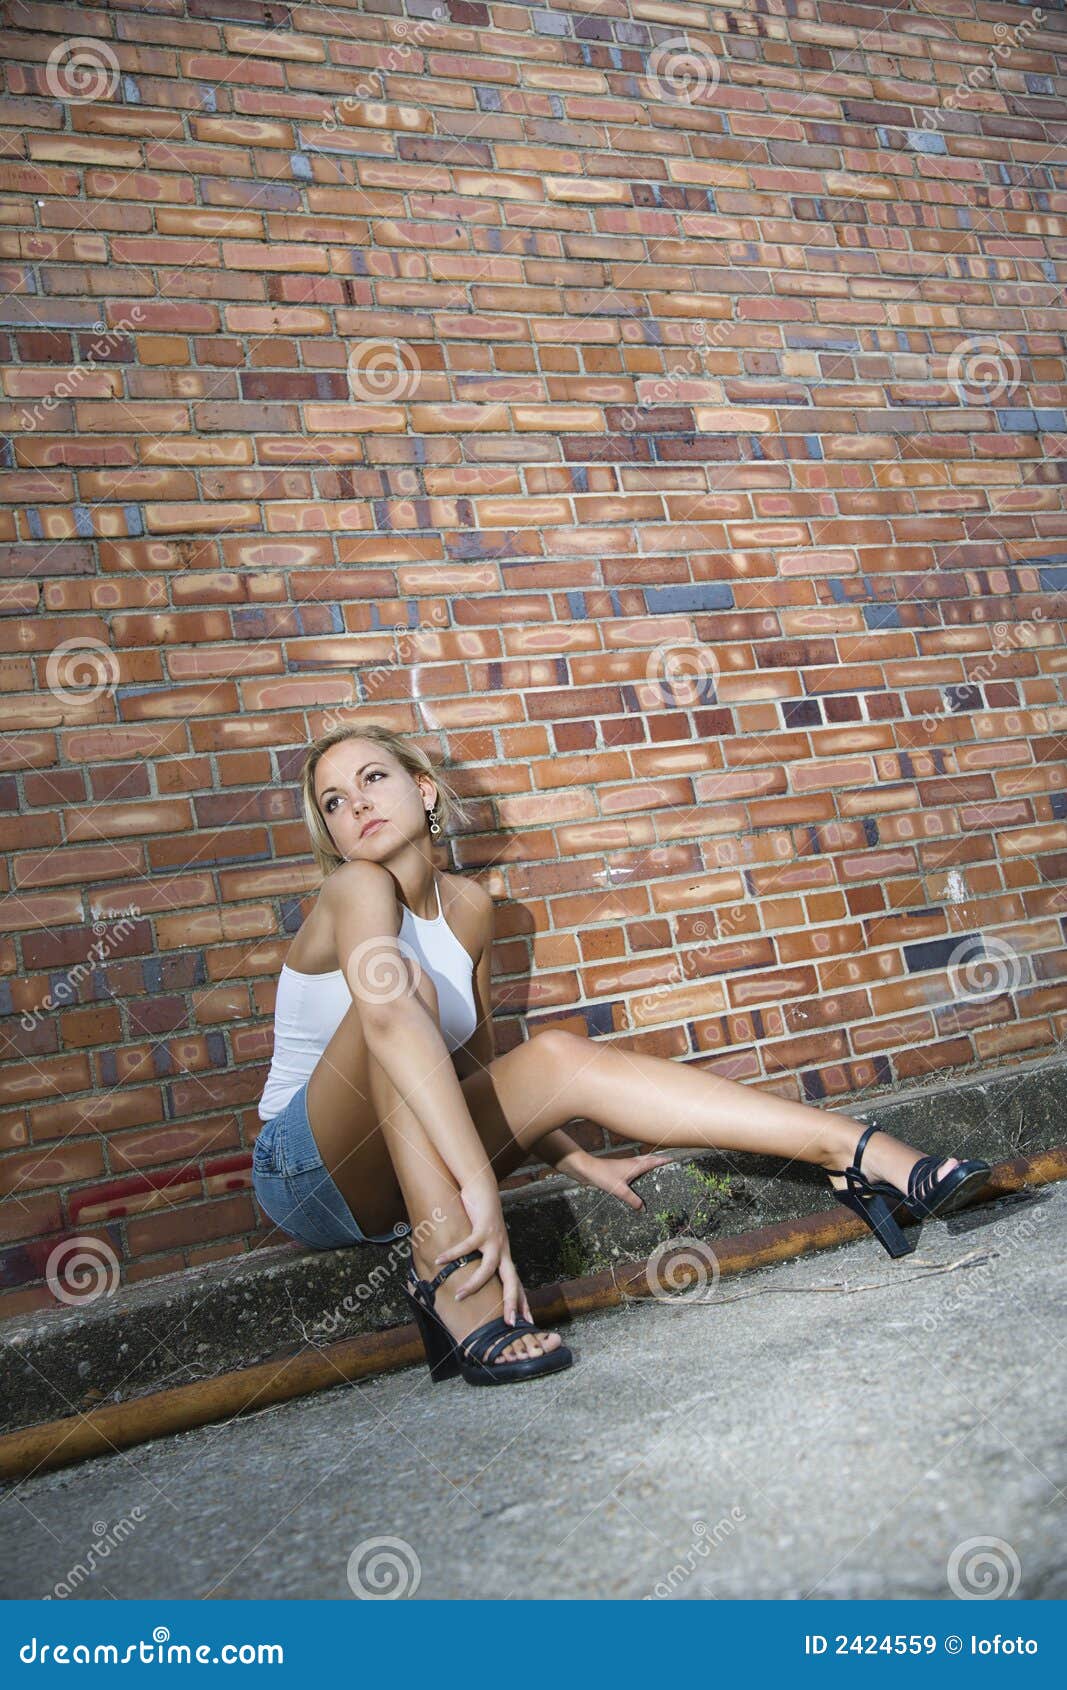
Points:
(384, 1094)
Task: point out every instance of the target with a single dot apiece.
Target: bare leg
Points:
(429, 1188)
(663, 1104)
(378, 1154)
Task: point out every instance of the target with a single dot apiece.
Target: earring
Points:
(432, 814)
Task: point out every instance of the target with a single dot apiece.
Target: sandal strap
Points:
(921, 1181)
(857, 1155)
(450, 1267)
(516, 1330)
(484, 1343)
(427, 1288)
(857, 1185)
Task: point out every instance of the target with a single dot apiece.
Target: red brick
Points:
(665, 417)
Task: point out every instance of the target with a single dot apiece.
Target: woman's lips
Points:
(370, 827)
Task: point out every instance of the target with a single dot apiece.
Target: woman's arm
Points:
(561, 1152)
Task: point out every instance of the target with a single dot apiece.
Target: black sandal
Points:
(878, 1202)
(474, 1357)
(930, 1196)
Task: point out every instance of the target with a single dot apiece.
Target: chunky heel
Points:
(879, 1217)
(475, 1357)
(874, 1201)
(439, 1348)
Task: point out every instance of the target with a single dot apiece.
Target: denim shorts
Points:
(294, 1189)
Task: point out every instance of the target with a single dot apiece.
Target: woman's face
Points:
(370, 803)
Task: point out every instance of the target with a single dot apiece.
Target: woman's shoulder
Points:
(465, 893)
(468, 909)
(313, 950)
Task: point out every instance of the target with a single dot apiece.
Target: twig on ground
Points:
(971, 1259)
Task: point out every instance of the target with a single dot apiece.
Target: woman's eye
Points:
(328, 806)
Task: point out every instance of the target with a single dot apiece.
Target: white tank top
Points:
(309, 1007)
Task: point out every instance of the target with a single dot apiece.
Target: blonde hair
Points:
(407, 753)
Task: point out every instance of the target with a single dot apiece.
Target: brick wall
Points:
(658, 409)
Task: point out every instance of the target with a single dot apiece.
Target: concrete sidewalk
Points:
(840, 1426)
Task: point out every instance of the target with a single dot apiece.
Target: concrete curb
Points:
(185, 1330)
(104, 1431)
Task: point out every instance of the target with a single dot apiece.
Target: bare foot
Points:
(484, 1304)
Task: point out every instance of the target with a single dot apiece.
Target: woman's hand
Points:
(612, 1173)
(481, 1199)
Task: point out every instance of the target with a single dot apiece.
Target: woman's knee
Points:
(558, 1050)
(421, 987)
